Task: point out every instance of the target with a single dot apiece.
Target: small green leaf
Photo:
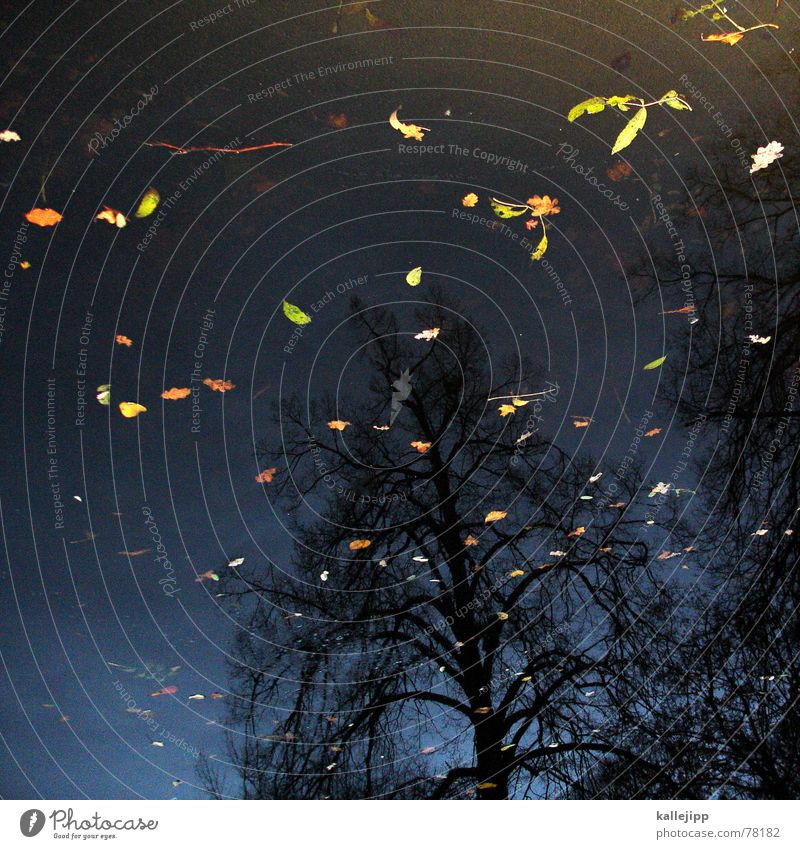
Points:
(630, 131)
(592, 105)
(540, 248)
(623, 103)
(654, 364)
(295, 314)
(501, 210)
(672, 99)
(414, 277)
(148, 203)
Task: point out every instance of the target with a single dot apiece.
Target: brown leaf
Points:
(727, 37)
(266, 476)
(219, 385)
(653, 431)
(578, 532)
(359, 544)
(175, 394)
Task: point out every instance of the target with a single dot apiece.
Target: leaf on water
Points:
(495, 516)
(590, 106)
(409, 131)
(471, 540)
(166, 691)
(540, 248)
(503, 210)
(414, 277)
(196, 696)
(218, 384)
(9, 136)
(175, 394)
(502, 615)
(673, 100)
(359, 544)
(381, 427)
(578, 532)
(295, 314)
(130, 409)
(337, 424)
(469, 200)
(266, 476)
(653, 431)
(507, 410)
(422, 447)
(104, 394)
(148, 203)
(123, 340)
(428, 335)
(726, 37)
(113, 216)
(654, 364)
(581, 421)
(516, 573)
(210, 575)
(43, 217)
(630, 130)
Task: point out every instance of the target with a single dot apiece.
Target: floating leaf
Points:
(337, 424)
(428, 335)
(130, 409)
(104, 394)
(654, 364)
(502, 615)
(422, 447)
(123, 340)
(196, 696)
(543, 205)
(9, 136)
(414, 277)
(24, 264)
(471, 540)
(516, 573)
(210, 575)
(590, 106)
(503, 210)
(113, 216)
(43, 217)
(578, 532)
(148, 203)
(218, 384)
(175, 394)
(266, 476)
(540, 248)
(409, 131)
(295, 314)
(359, 544)
(630, 130)
(507, 410)
(581, 421)
(166, 691)
(495, 516)
(653, 432)
(482, 711)
(469, 200)
(673, 100)
(726, 37)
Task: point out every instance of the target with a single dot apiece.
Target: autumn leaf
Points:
(619, 171)
(409, 131)
(210, 575)
(502, 615)
(726, 37)
(428, 335)
(681, 311)
(123, 340)
(359, 544)
(507, 410)
(520, 402)
(24, 264)
(381, 427)
(543, 205)
(104, 394)
(516, 573)
(581, 421)
(266, 476)
(469, 200)
(43, 217)
(166, 691)
(428, 750)
(374, 22)
(9, 136)
(422, 447)
(337, 121)
(653, 432)
(531, 223)
(495, 516)
(295, 314)
(471, 540)
(175, 394)
(130, 409)
(148, 203)
(630, 130)
(503, 210)
(414, 277)
(137, 553)
(578, 532)
(483, 711)
(216, 696)
(337, 424)
(540, 248)
(654, 364)
(218, 384)
(113, 216)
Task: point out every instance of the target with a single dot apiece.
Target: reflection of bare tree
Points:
(511, 660)
(732, 689)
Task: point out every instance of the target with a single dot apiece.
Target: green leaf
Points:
(654, 364)
(592, 105)
(540, 248)
(414, 277)
(630, 130)
(148, 203)
(622, 102)
(501, 210)
(295, 314)
(671, 99)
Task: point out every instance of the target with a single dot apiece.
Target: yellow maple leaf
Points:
(507, 410)
(469, 200)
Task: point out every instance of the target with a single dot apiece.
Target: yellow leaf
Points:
(409, 131)
(422, 447)
(578, 532)
(414, 277)
(630, 130)
(516, 573)
(502, 615)
(295, 314)
(507, 410)
(482, 710)
(495, 515)
(148, 203)
(130, 409)
(487, 785)
(469, 200)
(519, 402)
(540, 248)
(336, 424)
(726, 37)
(358, 544)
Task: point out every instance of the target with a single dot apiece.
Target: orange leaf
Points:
(578, 532)
(469, 200)
(217, 695)
(495, 516)
(581, 421)
(266, 476)
(358, 544)
(506, 410)
(543, 205)
(219, 385)
(727, 37)
(337, 424)
(471, 540)
(428, 335)
(123, 340)
(174, 394)
(113, 216)
(653, 432)
(422, 447)
(482, 710)
(338, 122)
(681, 311)
(515, 573)
(43, 217)
(409, 131)
(24, 264)
(167, 691)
